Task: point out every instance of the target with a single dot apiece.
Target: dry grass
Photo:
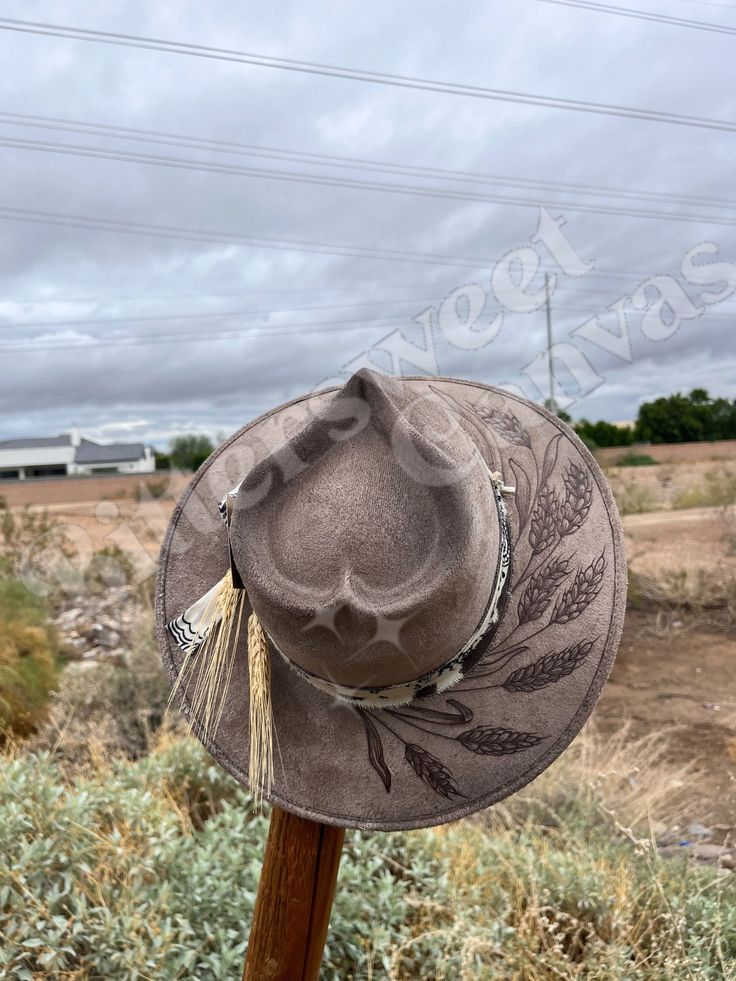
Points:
(676, 487)
(717, 490)
(709, 599)
(568, 876)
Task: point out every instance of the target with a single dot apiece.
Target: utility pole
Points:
(552, 403)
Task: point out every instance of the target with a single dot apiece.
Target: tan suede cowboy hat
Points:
(432, 576)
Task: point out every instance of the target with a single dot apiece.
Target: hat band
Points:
(453, 670)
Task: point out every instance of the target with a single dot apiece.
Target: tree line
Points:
(678, 418)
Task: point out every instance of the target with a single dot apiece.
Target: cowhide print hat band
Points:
(432, 577)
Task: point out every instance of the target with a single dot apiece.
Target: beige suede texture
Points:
(367, 536)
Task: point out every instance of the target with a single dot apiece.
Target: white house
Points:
(71, 455)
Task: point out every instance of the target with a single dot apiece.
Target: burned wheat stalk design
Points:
(548, 669)
(505, 424)
(578, 498)
(543, 525)
(431, 770)
(541, 588)
(580, 595)
(496, 741)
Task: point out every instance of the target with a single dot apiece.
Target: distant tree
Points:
(601, 433)
(724, 419)
(189, 451)
(699, 396)
(689, 418)
(163, 460)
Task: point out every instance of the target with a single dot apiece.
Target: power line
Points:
(163, 138)
(188, 164)
(216, 314)
(248, 330)
(241, 333)
(604, 8)
(233, 333)
(91, 223)
(126, 320)
(155, 297)
(221, 237)
(147, 297)
(378, 78)
(270, 327)
(34, 216)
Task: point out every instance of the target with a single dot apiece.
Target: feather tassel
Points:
(208, 667)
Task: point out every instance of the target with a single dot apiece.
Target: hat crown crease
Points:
(384, 523)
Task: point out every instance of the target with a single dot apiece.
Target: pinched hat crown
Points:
(373, 564)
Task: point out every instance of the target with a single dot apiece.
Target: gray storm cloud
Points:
(235, 328)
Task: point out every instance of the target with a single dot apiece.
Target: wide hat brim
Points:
(448, 755)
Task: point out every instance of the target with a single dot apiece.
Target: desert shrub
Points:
(29, 541)
(632, 498)
(717, 490)
(28, 659)
(27, 674)
(115, 875)
(632, 459)
(104, 709)
(109, 566)
(151, 489)
(17, 602)
(697, 592)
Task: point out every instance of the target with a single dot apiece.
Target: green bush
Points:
(189, 451)
(122, 875)
(636, 460)
(28, 659)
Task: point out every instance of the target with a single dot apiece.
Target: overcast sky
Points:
(140, 336)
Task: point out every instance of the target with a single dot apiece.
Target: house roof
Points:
(87, 452)
(90, 452)
(36, 442)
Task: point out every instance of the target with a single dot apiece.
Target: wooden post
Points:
(292, 909)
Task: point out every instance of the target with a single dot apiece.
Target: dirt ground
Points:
(680, 679)
(674, 672)
(699, 539)
(724, 449)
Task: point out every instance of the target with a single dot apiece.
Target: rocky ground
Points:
(100, 627)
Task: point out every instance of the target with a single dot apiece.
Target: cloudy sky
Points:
(186, 241)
